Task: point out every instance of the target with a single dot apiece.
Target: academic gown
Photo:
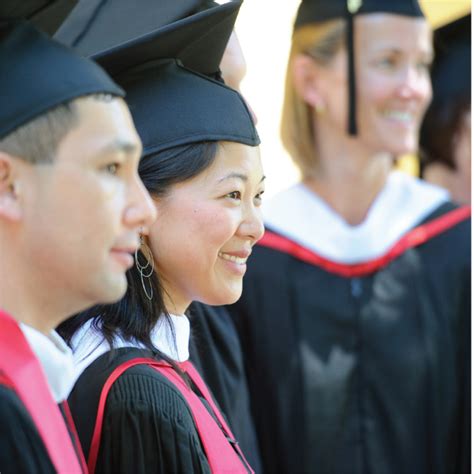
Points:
(216, 353)
(156, 426)
(360, 364)
(21, 448)
(147, 424)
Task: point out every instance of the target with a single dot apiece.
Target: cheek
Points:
(425, 92)
(375, 93)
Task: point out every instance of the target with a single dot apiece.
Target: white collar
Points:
(302, 216)
(171, 339)
(55, 358)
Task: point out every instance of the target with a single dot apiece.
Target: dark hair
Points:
(37, 141)
(135, 316)
(439, 129)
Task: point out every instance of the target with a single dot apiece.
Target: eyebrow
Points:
(124, 146)
(242, 177)
(428, 53)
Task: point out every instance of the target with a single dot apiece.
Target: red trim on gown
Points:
(415, 237)
(21, 371)
(222, 457)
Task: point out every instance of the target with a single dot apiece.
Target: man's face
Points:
(82, 214)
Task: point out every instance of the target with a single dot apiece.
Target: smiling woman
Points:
(201, 165)
(207, 227)
(362, 279)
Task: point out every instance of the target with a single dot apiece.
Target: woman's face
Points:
(393, 55)
(206, 228)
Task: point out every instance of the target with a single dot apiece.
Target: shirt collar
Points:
(55, 358)
(170, 337)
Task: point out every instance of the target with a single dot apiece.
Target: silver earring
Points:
(146, 270)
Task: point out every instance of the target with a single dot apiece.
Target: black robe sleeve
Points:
(147, 425)
(216, 352)
(21, 448)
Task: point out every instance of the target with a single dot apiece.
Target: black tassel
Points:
(352, 100)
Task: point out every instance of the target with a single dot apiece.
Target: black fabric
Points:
(193, 108)
(216, 353)
(148, 426)
(39, 74)
(21, 449)
(311, 11)
(451, 71)
(46, 15)
(96, 25)
(171, 75)
(361, 375)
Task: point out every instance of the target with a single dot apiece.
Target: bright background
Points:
(264, 30)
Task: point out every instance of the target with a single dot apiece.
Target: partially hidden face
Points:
(206, 228)
(393, 57)
(84, 211)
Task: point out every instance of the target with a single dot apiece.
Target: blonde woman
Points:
(355, 312)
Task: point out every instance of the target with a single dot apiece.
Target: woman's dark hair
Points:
(439, 130)
(134, 316)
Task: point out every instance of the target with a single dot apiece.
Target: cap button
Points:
(353, 6)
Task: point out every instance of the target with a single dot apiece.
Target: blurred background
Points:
(264, 30)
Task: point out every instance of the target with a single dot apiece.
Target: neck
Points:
(347, 177)
(441, 175)
(27, 297)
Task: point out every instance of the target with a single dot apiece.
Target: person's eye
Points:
(424, 66)
(387, 63)
(112, 168)
(259, 197)
(235, 195)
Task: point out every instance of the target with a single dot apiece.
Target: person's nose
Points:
(141, 211)
(414, 84)
(252, 227)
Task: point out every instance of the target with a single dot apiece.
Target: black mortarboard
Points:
(46, 15)
(39, 73)
(451, 80)
(172, 82)
(451, 71)
(312, 11)
(95, 25)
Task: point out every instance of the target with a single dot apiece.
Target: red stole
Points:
(21, 371)
(222, 457)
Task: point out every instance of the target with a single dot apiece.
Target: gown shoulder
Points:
(147, 424)
(21, 448)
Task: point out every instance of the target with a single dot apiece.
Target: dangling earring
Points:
(320, 108)
(146, 271)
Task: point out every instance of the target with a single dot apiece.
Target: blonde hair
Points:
(320, 41)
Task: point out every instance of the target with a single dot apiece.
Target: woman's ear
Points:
(306, 79)
(10, 206)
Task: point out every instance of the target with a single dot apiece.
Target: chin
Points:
(223, 297)
(113, 291)
(402, 147)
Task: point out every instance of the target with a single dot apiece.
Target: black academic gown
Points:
(21, 448)
(367, 374)
(216, 353)
(147, 425)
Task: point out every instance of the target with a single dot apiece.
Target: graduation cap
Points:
(95, 25)
(171, 76)
(46, 15)
(451, 80)
(311, 11)
(39, 74)
(451, 71)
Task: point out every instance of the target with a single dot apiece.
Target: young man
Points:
(71, 209)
